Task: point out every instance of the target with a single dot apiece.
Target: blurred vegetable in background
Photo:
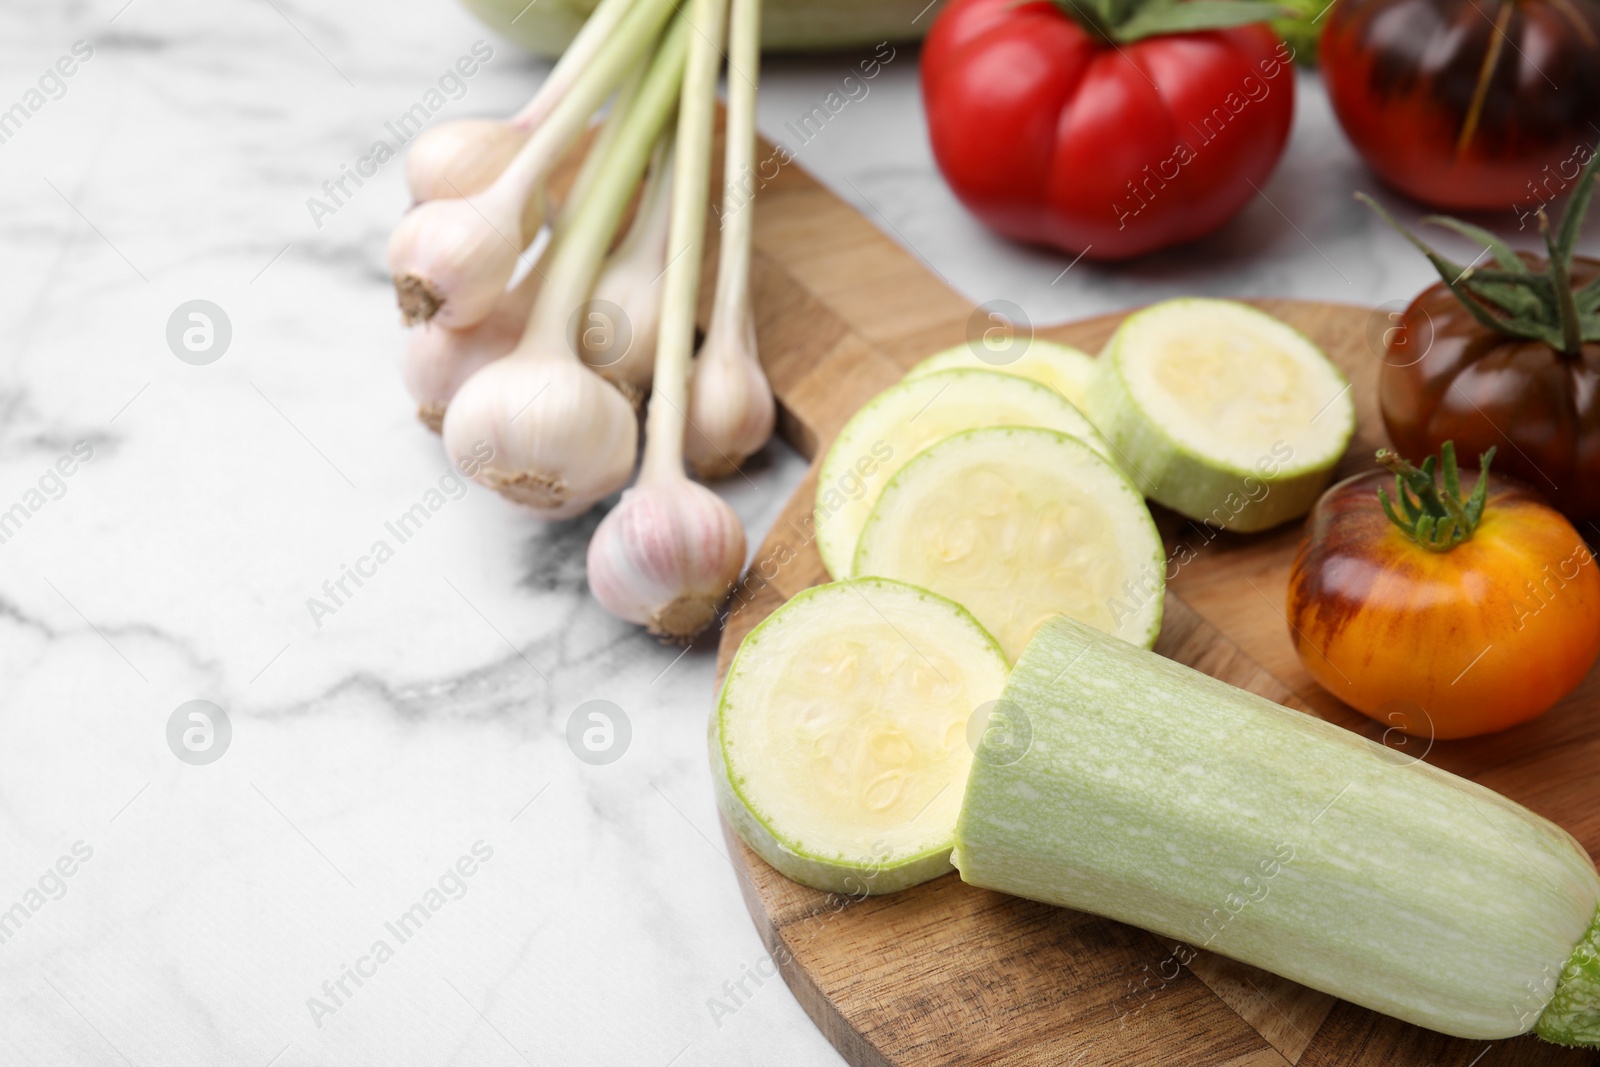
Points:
(545, 28)
(1302, 29)
(1467, 104)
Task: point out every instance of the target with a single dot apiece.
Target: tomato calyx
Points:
(1114, 22)
(1434, 518)
(1513, 297)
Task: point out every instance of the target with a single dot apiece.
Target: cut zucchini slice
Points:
(1019, 526)
(906, 418)
(1222, 412)
(1063, 368)
(839, 746)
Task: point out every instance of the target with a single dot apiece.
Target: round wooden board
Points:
(948, 974)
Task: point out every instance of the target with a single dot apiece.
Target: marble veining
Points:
(222, 909)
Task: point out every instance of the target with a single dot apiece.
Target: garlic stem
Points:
(731, 411)
(668, 554)
(579, 248)
(610, 130)
(462, 157)
(558, 436)
(452, 258)
(631, 281)
(591, 37)
(732, 299)
(669, 399)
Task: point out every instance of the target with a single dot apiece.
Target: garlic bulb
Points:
(631, 281)
(667, 556)
(559, 437)
(460, 158)
(731, 412)
(451, 259)
(438, 360)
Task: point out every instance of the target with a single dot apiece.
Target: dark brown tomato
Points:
(1538, 407)
(1478, 104)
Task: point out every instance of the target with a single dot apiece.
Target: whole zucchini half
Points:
(545, 28)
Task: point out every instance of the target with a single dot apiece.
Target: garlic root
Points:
(450, 259)
(438, 360)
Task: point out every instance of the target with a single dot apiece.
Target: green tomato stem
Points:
(1434, 518)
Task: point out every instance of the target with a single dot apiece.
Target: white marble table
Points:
(213, 912)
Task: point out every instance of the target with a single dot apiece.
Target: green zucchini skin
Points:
(1242, 499)
(818, 874)
(1155, 795)
(863, 876)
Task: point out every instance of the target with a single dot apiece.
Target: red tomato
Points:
(1051, 134)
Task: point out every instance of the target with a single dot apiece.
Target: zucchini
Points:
(1017, 526)
(1063, 368)
(547, 28)
(906, 418)
(839, 745)
(1163, 798)
(1221, 412)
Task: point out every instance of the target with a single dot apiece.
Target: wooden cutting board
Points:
(948, 974)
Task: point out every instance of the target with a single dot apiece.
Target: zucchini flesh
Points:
(1157, 796)
(906, 418)
(839, 748)
(1221, 412)
(1018, 526)
(1063, 368)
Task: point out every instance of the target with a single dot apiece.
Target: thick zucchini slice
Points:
(839, 747)
(1222, 412)
(1018, 526)
(908, 417)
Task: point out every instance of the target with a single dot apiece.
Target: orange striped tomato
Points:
(1448, 636)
